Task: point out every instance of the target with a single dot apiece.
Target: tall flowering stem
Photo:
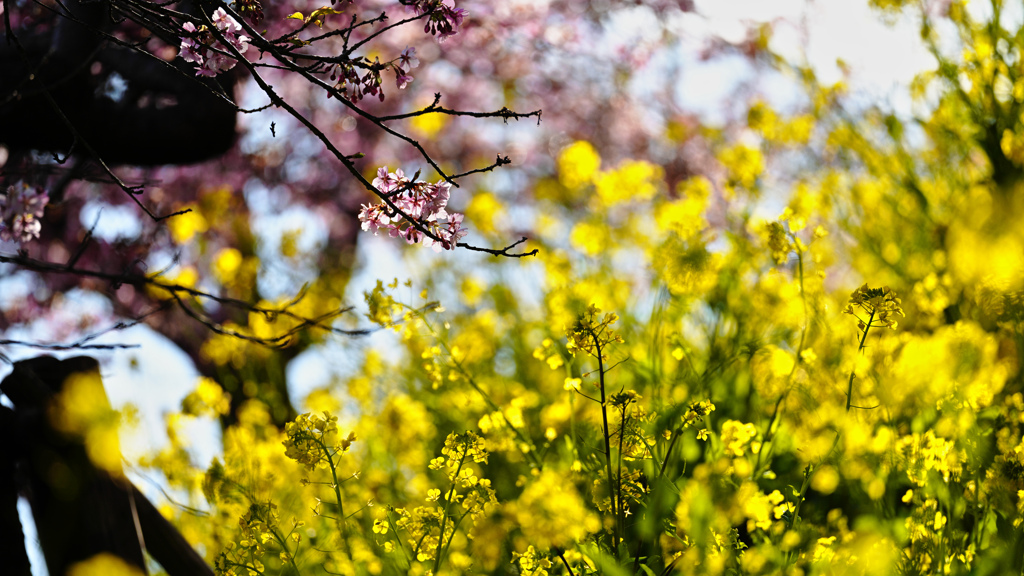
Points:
(449, 497)
(881, 305)
(622, 400)
(782, 240)
(593, 337)
(313, 441)
(457, 449)
(801, 495)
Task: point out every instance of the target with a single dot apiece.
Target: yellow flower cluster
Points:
(880, 304)
(591, 335)
(737, 437)
(312, 440)
(551, 513)
(103, 564)
(381, 304)
(697, 412)
(547, 353)
(760, 509)
(531, 563)
(256, 528)
(461, 447)
(82, 411)
(744, 165)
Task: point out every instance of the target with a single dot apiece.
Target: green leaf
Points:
(605, 564)
(318, 15)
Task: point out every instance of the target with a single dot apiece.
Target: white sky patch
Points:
(339, 357)
(882, 58)
(112, 222)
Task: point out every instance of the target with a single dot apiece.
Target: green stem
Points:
(572, 425)
(561, 556)
(334, 478)
(853, 371)
(532, 453)
(607, 441)
(340, 520)
(768, 445)
(622, 430)
(455, 529)
(447, 507)
(248, 568)
(394, 529)
(419, 544)
(661, 473)
(808, 471)
(668, 453)
(803, 296)
(284, 546)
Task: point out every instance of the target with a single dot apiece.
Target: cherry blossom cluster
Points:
(354, 86)
(197, 44)
(425, 203)
(21, 208)
(444, 19)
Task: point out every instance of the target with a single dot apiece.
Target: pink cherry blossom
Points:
(374, 218)
(197, 44)
(438, 200)
(223, 22)
(402, 79)
(408, 59)
(418, 202)
(451, 235)
(383, 181)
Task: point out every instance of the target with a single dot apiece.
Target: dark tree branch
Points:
(178, 294)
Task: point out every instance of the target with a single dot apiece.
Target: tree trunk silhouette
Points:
(79, 510)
